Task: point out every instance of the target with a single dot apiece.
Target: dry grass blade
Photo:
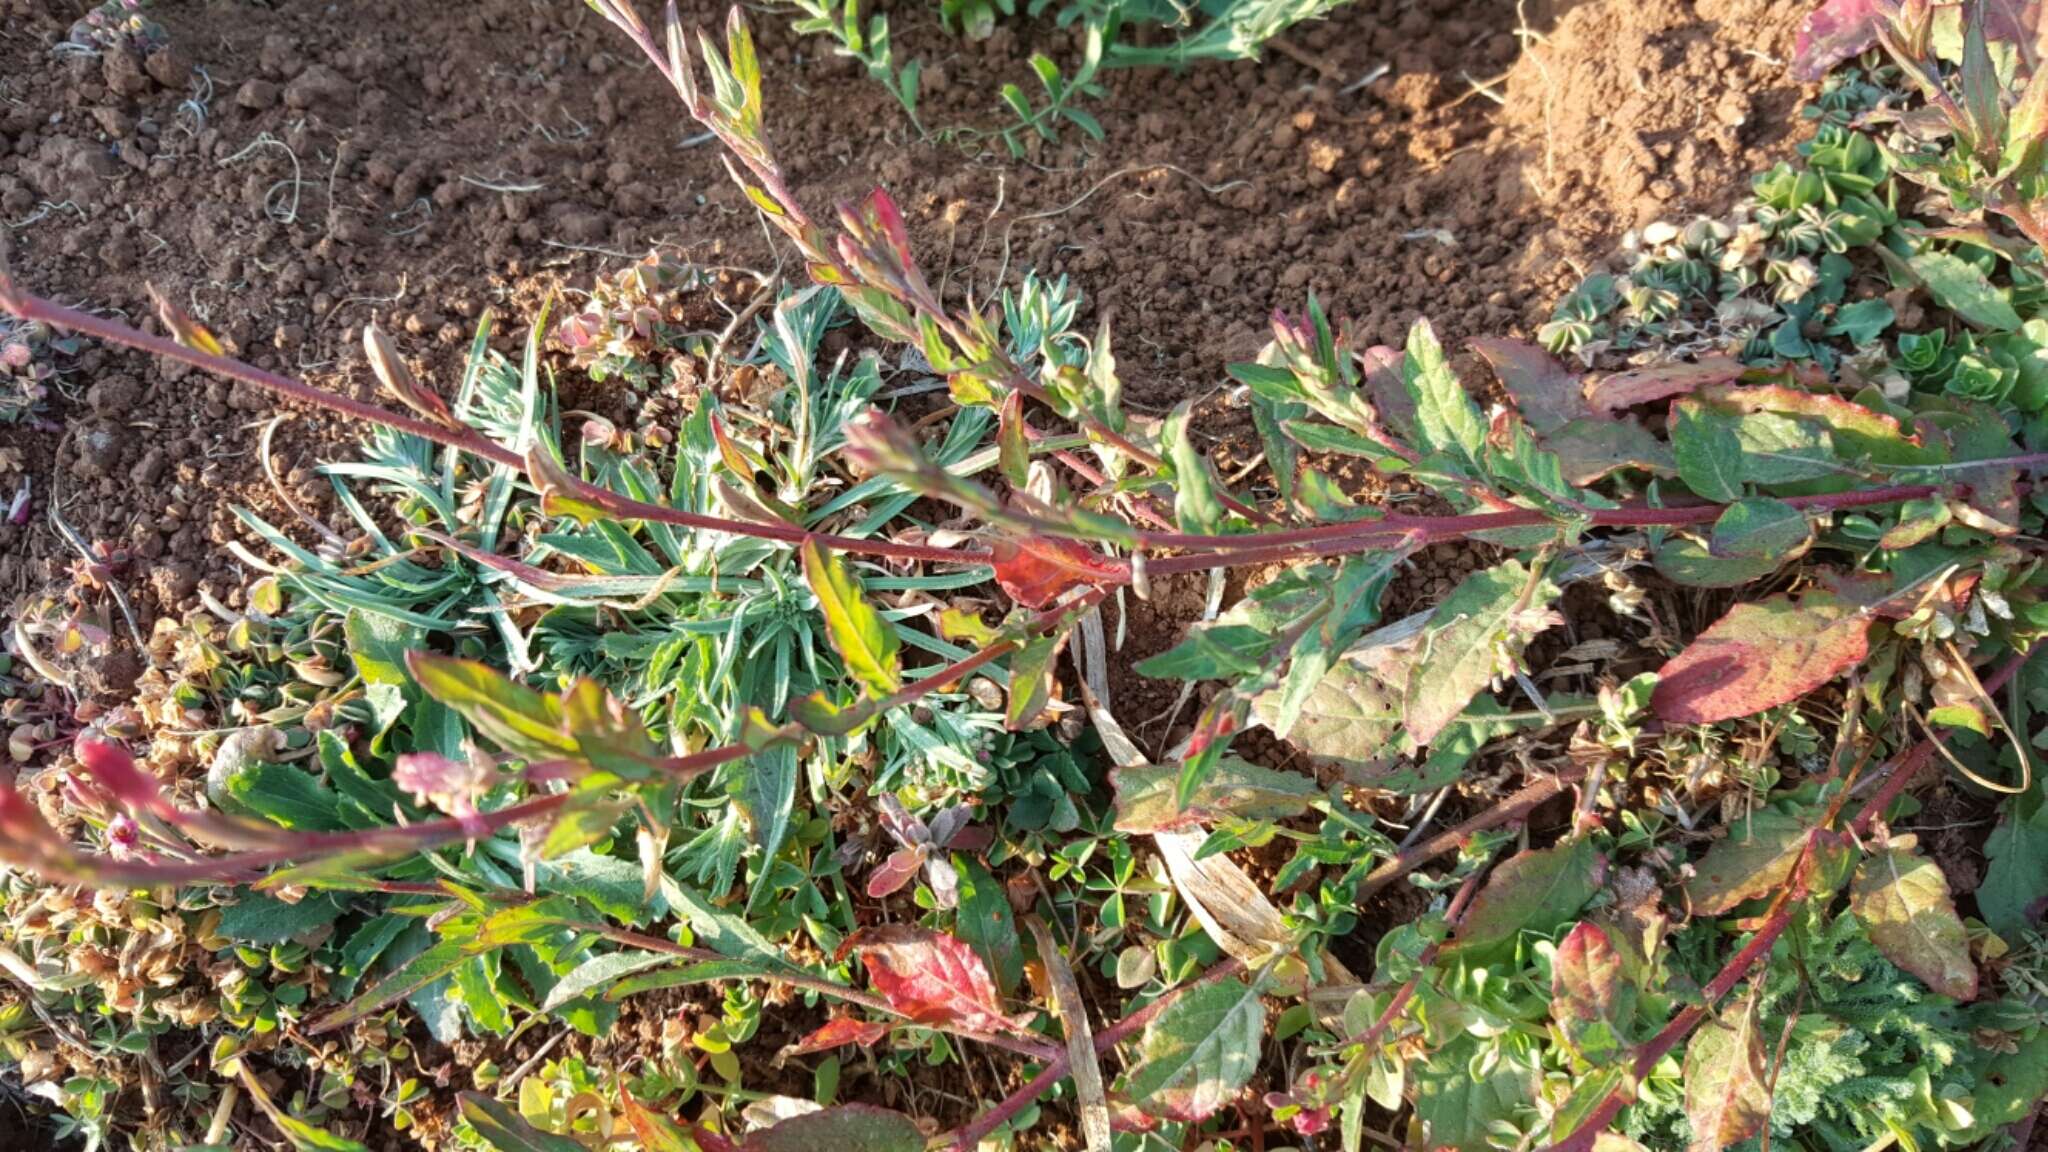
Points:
(1086, 1069)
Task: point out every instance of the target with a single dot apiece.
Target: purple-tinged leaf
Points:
(1036, 571)
(1761, 655)
(847, 1128)
(931, 978)
(1546, 393)
(1617, 391)
(1594, 448)
(1833, 32)
(892, 874)
(1903, 900)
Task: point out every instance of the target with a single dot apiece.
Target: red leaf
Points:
(1589, 989)
(837, 1034)
(1762, 655)
(1035, 571)
(1619, 390)
(892, 874)
(931, 978)
(1832, 33)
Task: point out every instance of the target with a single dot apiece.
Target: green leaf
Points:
(1491, 614)
(1708, 452)
(1761, 528)
(378, 644)
(847, 1128)
(473, 987)
(1593, 449)
(986, 924)
(1195, 503)
(1145, 795)
(1862, 321)
(1959, 286)
(865, 642)
(2010, 1087)
(1684, 560)
(1726, 1097)
(766, 795)
(1211, 652)
(1031, 674)
(1446, 419)
(1535, 890)
(613, 886)
(255, 918)
(1199, 1053)
(517, 718)
(1761, 655)
(2016, 882)
(598, 971)
(428, 966)
(1756, 859)
(286, 796)
(1350, 719)
(507, 1131)
(723, 932)
(1903, 901)
(702, 972)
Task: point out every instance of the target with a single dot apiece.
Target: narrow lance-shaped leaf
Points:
(1447, 421)
(865, 642)
(1195, 502)
(1902, 898)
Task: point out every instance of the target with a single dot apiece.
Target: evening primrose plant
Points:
(777, 704)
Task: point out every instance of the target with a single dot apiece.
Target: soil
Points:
(291, 170)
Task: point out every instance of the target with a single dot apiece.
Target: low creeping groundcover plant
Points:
(588, 709)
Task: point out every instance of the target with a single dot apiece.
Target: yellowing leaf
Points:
(1198, 1053)
(1903, 901)
(1756, 859)
(1725, 1095)
(865, 642)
